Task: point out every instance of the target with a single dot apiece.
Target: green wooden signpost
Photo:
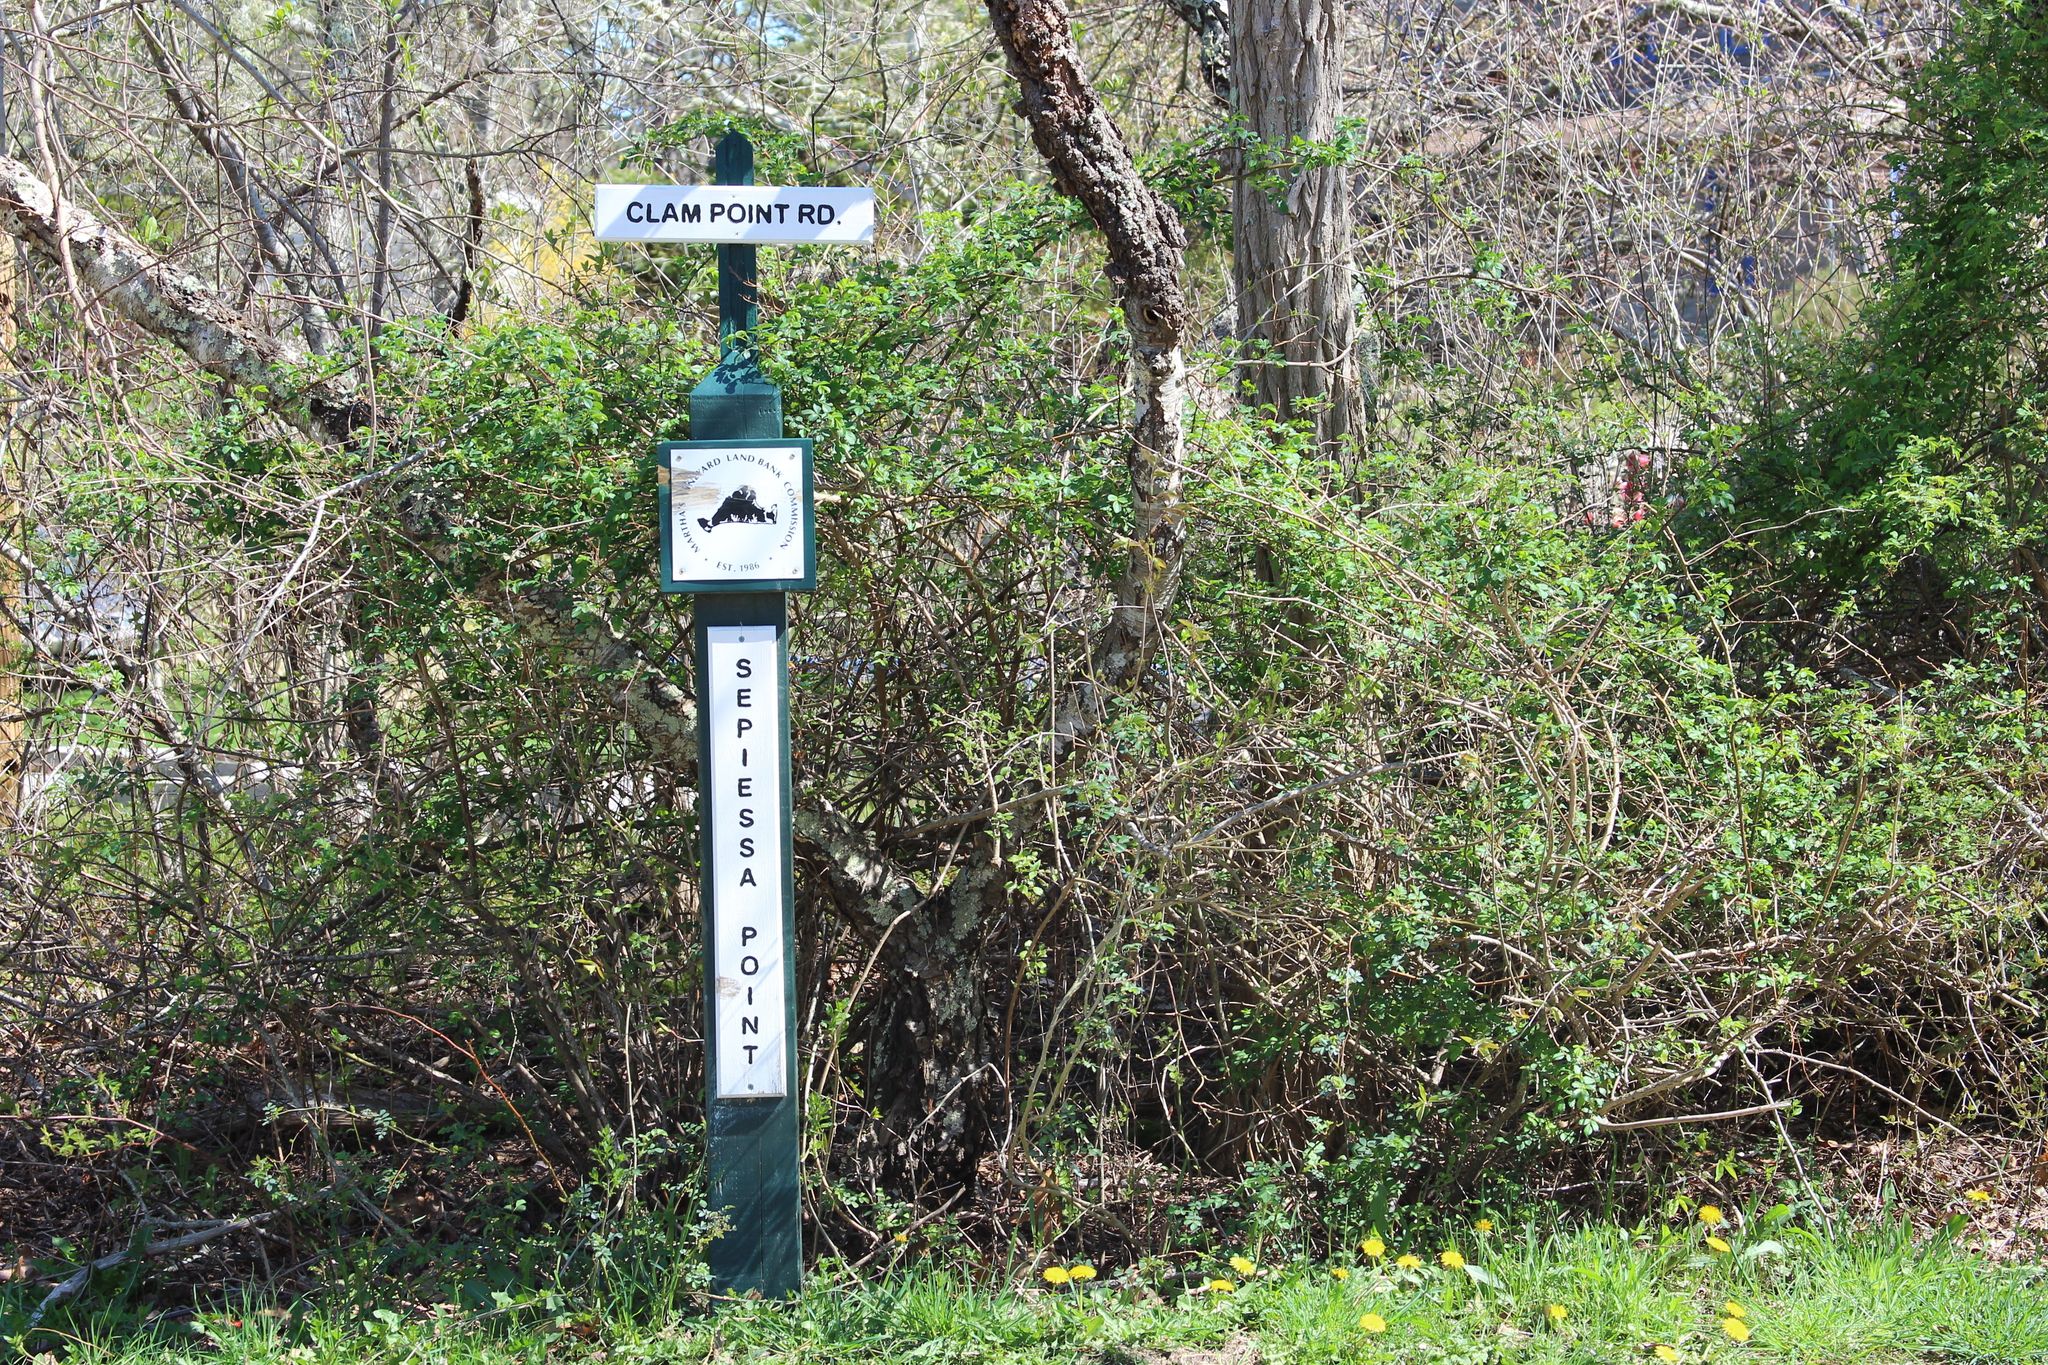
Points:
(751, 1145)
(736, 530)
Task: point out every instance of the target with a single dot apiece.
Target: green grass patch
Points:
(1778, 1293)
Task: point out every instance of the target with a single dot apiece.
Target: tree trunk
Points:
(1209, 21)
(1090, 161)
(932, 1087)
(1293, 224)
(929, 1088)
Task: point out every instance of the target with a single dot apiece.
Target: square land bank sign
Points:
(736, 516)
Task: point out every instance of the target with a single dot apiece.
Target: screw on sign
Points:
(736, 530)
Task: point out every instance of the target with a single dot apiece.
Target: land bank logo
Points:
(739, 513)
(740, 507)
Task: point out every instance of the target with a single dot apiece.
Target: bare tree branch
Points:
(223, 147)
(150, 293)
(1209, 20)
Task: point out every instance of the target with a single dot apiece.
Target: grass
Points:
(1877, 1297)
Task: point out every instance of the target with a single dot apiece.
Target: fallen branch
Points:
(146, 289)
(1627, 1125)
(70, 1286)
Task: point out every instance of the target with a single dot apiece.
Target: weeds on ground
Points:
(1714, 1289)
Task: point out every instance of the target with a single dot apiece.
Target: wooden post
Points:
(738, 530)
(750, 1144)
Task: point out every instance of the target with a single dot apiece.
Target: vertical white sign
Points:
(742, 690)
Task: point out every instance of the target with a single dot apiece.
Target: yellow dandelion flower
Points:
(1222, 1287)
(1373, 1247)
(1736, 1328)
(1978, 1196)
(1712, 1216)
(1717, 1246)
(1408, 1262)
(1081, 1273)
(902, 1237)
(1732, 1309)
(1483, 1225)
(1452, 1260)
(1338, 1272)
(1242, 1265)
(1055, 1274)
(1373, 1323)
(1667, 1354)
(1556, 1312)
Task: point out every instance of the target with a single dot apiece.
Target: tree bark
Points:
(1292, 262)
(929, 1074)
(1209, 20)
(150, 292)
(1090, 161)
(931, 1080)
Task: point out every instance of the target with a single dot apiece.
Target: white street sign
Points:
(733, 213)
(742, 688)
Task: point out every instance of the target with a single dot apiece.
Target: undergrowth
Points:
(1667, 1291)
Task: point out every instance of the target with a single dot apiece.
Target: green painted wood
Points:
(751, 1151)
(739, 288)
(735, 399)
(751, 1145)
